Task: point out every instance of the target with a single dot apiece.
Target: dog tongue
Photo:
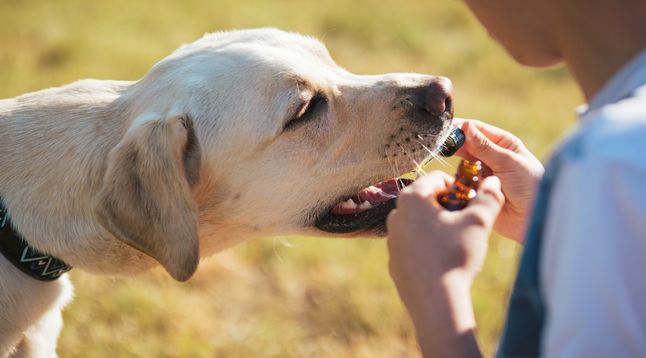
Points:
(368, 198)
(379, 193)
(392, 187)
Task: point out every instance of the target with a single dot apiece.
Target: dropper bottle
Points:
(467, 177)
(464, 188)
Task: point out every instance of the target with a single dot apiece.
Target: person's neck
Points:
(599, 44)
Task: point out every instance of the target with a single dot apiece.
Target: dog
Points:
(237, 135)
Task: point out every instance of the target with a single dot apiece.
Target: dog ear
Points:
(146, 197)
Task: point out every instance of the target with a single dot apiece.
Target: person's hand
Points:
(505, 156)
(434, 256)
(426, 239)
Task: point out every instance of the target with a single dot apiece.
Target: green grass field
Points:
(290, 296)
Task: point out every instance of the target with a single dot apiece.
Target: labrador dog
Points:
(238, 135)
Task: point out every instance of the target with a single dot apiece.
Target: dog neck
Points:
(27, 259)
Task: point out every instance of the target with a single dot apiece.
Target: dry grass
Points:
(292, 296)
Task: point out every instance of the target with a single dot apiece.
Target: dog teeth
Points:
(349, 204)
(365, 205)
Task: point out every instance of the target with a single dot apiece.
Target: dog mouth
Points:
(369, 207)
(366, 210)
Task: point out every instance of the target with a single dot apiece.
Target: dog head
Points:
(289, 143)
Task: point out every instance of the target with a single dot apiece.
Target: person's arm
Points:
(446, 328)
(435, 255)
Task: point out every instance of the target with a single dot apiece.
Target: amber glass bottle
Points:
(464, 188)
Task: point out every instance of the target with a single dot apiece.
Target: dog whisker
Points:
(434, 155)
(400, 185)
(285, 242)
(439, 159)
(431, 135)
(430, 152)
(275, 251)
(397, 170)
(425, 147)
(418, 168)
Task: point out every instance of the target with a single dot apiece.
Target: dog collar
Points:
(34, 263)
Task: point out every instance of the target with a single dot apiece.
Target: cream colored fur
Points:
(114, 177)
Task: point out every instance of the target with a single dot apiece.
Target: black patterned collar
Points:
(26, 258)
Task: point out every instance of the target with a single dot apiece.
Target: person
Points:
(581, 287)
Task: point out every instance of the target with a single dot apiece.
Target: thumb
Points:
(483, 148)
(486, 206)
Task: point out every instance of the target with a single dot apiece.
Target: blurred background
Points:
(286, 296)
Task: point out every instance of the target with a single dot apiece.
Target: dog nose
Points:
(437, 96)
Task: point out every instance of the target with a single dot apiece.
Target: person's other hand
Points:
(428, 244)
(505, 156)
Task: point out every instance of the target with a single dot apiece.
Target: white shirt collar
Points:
(630, 77)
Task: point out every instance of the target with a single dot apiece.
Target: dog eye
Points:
(307, 112)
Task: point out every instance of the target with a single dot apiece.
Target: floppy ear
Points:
(146, 195)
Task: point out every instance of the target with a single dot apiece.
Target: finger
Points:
(499, 136)
(430, 183)
(486, 206)
(391, 220)
(462, 151)
(492, 132)
(481, 147)
(464, 154)
(423, 192)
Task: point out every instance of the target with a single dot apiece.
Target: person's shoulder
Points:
(630, 109)
(617, 131)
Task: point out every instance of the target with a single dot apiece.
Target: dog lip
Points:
(352, 219)
(372, 219)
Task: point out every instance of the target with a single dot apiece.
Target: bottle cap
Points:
(453, 142)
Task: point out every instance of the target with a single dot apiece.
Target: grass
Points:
(293, 296)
